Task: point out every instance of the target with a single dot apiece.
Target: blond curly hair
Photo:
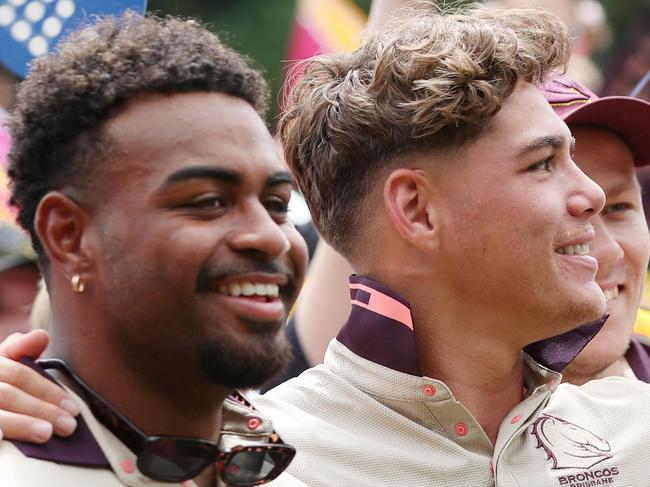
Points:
(429, 80)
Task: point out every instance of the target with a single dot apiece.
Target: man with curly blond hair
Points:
(433, 163)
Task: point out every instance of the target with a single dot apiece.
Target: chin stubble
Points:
(230, 363)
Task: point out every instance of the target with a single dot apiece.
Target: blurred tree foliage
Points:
(261, 28)
(257, 28)
(629, 21)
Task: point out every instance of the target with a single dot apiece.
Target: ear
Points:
(408, 201)
(62, 227)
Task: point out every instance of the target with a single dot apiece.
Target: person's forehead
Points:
(193, 128)
(605, 157)
(524, 117)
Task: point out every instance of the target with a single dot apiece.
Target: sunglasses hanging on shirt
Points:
(176, 458)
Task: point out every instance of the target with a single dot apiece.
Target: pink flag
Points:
(6, 215)
(323, 26)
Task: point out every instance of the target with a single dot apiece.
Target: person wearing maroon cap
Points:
(612, 140)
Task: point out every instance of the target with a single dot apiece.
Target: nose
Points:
(259, 233)
(587, 198)
(604, 246)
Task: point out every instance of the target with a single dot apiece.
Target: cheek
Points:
(636, 248)
(179, 248)
(512, 228)
(298, 253)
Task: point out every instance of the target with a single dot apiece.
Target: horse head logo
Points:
(568, 445)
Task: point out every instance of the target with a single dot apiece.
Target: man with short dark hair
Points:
(158, 207)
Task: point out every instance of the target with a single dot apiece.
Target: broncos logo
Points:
(568, 445)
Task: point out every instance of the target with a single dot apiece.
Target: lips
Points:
(259, 291)
(611, 292)
(251, 279)
(578, 249)
(250, 289)
(573, 247)
(575, 241)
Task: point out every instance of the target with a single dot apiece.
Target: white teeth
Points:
(250, 289)
(580, 249)
(234, 289)
(247, 289)
(272, 290)
(610, 293)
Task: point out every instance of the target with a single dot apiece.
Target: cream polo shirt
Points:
(367, 417)
(94, 457)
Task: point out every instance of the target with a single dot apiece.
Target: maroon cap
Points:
(628, 117)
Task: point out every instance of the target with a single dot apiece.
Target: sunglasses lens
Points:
(250, 467)
(174, 459)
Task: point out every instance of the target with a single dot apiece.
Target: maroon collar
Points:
(79, 449)
(638, 357)
(380, 329)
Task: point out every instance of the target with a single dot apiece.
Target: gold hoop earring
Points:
(76, 284)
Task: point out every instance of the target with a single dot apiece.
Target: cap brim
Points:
(628, 117)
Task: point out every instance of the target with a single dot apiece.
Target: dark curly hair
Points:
(69, 94)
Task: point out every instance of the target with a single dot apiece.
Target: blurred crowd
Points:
(600, 102)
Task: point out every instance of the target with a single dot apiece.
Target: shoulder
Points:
(312, 386)
(317, 403)
(286, 480)
(615, 405)
(599, 427)
(19, 470)
(607, 391)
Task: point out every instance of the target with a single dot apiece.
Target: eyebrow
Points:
(224, 175)
(281, 177)
(621, 187)
(204, 172)
(554, 141)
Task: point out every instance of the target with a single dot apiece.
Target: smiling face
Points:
(197, 259)
(514, 217)
(621, 245)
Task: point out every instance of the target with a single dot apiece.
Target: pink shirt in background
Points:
(5, 142)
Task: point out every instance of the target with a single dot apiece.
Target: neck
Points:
(486, 378)
(484, 370)
(179, 401)
(618, 368)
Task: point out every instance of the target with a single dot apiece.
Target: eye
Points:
(544, 165)
(277, 206)
(619, 207)
(206, 201)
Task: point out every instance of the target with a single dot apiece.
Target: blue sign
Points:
(29, 28)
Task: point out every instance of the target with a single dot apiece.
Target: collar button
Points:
(254, 423)
(429, 390)
(127, 466)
